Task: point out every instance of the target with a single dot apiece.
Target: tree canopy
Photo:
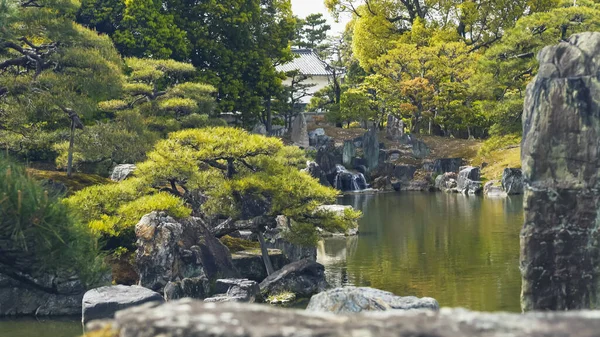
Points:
(451, 68)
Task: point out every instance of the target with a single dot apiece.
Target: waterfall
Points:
(347, 181)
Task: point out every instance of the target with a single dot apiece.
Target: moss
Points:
(106, 331)
(238, 245)
(284, 298)
(77, 182)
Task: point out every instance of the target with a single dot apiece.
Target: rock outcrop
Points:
(303, 278)
(560, 255)
(315, 171)
(348, 153)
(43, 295)
(194, 318)
(104, 302)
(446, 182)
(512, 181)
(235, 290)
(493, 190)
(395, 128)
(192, 287)
(371, 148)
(354, 300)
(300, 132)
(251, 266)
(122, 172)
(468, 181)
(443, 165)
(172, 250)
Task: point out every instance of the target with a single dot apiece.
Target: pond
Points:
(462, 251)
(30, 327)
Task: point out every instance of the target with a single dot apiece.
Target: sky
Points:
(302, 8)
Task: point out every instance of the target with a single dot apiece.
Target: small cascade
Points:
(347, 181)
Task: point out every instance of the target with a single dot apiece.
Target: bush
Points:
(37, 232)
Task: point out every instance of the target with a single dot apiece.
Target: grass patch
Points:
(237, 245)
(499, 153)
(77, 182)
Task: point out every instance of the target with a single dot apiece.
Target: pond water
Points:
(462, 251)
(30, 327)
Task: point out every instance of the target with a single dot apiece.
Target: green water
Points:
(462, 251)
(30, 327)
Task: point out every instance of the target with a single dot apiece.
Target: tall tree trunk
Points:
(70, 154)
(269, 122)
(265, 253)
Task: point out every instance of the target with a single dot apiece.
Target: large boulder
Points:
(353, 300)
(39, 295)
(318, 138)
(468, 181)
(420, 150)
(443, 165)
(493, 190)
(315, 171)
(512, 181)
(103, 302)
(303, 278)
(251, 266)
(328, 158)
(404, 173)
(235, 290)
(194, 318)
(299, 132)
(348, 153)
(395, 128)
(192, 287)
(171, 250)
(560, 254)
(446, 181)
(371, 148)
(122, 172)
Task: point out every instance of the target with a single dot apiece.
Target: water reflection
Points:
(463, 251)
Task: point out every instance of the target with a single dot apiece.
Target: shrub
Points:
(37, 231)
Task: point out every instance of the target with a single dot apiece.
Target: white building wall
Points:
(319, 81)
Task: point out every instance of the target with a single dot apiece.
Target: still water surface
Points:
(462, 251)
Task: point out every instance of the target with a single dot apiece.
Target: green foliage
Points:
(35, 94)
(237, 245)
(243, 175)
(146, 32)
(313, 32)
(499, 143)
(235, 43)
(37, 231)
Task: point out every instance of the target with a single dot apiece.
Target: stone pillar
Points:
(560, 158)
(371, 148)
(348, 153)
(300, 132)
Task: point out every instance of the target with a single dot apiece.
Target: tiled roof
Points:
(307, 62)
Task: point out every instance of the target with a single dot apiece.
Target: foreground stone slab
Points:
(196, 319)
(103, 302)
(359, 299)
